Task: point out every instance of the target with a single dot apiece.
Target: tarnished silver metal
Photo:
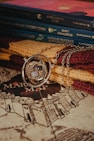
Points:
(36, 70)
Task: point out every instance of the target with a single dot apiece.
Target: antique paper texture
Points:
(55, 118)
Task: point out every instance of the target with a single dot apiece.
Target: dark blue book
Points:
(4, 31)
(48, 16)
(37, 26)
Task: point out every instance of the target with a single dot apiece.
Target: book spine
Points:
(31, 25)
(47, 16)
(44, 37)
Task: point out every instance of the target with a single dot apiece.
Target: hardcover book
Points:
(76, 14)
(43, 37)
(69, 6)
(41, 27)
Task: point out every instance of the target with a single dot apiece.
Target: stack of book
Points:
(68, 22)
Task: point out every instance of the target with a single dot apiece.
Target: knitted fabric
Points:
(10, 65)
(81, 57)
(88, 67)
(17, 59)
(84, 86)
(81, 60)
(80, 85)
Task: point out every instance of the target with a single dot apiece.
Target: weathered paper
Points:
(59, 116)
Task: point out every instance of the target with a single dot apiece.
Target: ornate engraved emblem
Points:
(36, 70)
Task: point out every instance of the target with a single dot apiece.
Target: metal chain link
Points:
(67, 56)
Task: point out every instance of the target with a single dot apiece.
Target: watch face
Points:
(36, 70)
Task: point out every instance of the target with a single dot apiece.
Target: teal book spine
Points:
(44, 37)
(48, 16)
(37, 26)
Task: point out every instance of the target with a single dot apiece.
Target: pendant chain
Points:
(67, 56)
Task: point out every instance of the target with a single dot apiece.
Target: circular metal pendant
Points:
(36, 70)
